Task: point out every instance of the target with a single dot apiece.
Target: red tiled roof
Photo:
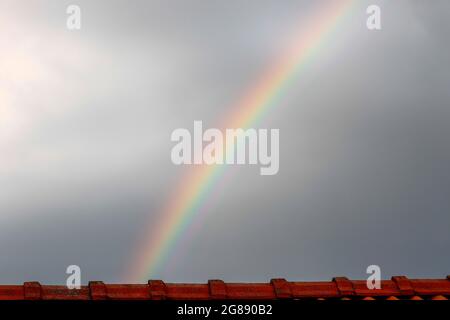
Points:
(339, 288)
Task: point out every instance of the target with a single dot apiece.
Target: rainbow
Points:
(158, 243)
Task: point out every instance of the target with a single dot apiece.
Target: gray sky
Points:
(86, 118)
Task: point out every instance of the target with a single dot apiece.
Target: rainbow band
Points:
(157, 244)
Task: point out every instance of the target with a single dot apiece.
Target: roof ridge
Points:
(338, 288)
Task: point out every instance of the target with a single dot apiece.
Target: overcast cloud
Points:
(86, 118)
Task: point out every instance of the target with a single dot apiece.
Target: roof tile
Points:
(32, 291)
(404, 285)
(340, 288)
(282, 288)
(344, 286)
(97, 290)
(217, 289)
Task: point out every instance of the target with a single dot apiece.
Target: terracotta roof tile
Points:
(282, 288)
(158, 289)
(217, 289)
(428, 287)
(439, 297)
(404, 285)
(314, 290)
(341, 288)
(345, 286)
(12, 292)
